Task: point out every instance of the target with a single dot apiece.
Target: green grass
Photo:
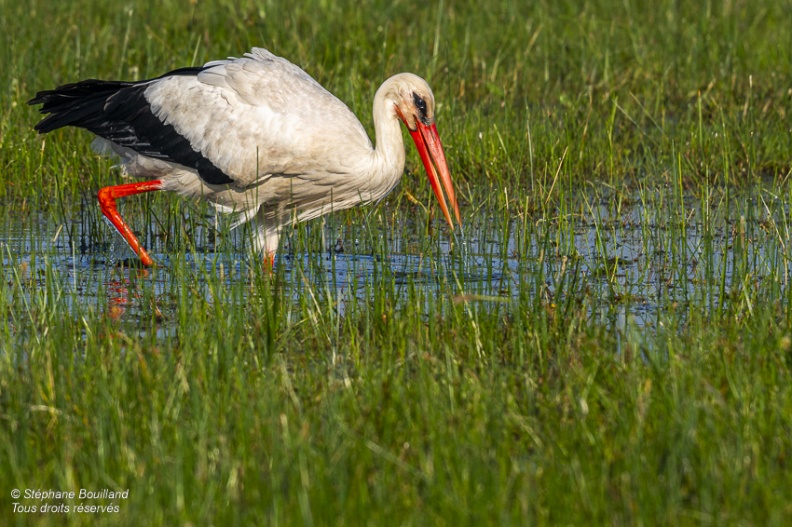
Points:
(621, 353)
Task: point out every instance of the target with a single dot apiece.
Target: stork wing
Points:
(258, 116)
(119, 112)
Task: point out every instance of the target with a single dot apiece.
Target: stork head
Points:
(413, 103)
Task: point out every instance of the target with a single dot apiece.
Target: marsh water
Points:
(632, 259)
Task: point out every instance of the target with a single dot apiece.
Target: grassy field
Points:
(610, 345)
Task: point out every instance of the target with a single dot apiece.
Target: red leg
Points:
(107, 197)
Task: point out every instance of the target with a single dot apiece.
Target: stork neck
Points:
(389, 148)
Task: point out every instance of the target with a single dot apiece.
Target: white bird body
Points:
(256, 136)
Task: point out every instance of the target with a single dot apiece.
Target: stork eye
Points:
(420, 104)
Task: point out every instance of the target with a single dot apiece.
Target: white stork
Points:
(256, 136)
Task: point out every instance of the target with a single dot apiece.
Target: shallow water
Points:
(628, 262)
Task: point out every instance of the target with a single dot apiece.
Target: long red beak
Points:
(431, 151)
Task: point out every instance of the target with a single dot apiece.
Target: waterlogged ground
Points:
(629, 258)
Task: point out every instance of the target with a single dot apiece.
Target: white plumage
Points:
(256, 136)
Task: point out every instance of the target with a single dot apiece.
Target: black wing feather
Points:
(119, 112)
